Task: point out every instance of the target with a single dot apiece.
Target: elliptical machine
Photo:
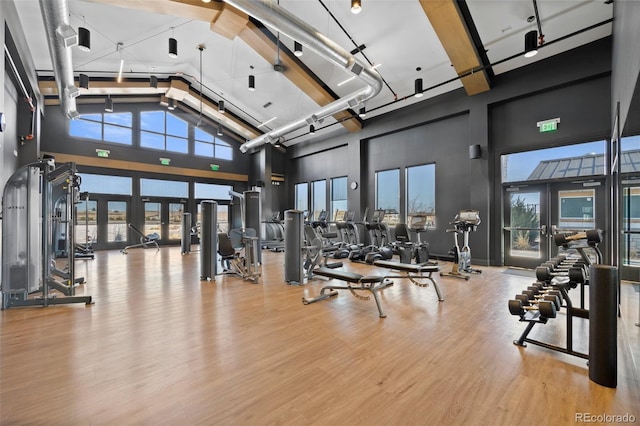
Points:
(464, 222)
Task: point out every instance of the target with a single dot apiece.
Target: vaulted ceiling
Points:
(448, 44)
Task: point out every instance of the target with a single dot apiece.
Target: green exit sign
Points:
(165, 161)
(548, 125)
(215, 167)
(103, 153)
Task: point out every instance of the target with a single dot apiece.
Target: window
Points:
(338, 195)
(205, 145)
(212, 191)
(163, 131)
(104, 184)
(630, 147)
(302, 196)
(585, 159)
(421, 192)
(163, 188)
(107, 127)
(388, 190)
(318, 197)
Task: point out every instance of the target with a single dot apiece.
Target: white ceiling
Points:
(397, 35)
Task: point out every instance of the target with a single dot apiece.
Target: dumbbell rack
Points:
(571, 312)
(593, 238)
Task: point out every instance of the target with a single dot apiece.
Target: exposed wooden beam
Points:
(263, 45)
(227, 21)
(447, 22)
(145, 167)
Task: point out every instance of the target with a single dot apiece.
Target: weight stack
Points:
(252, 216)
(185, 237)
(293, 231)
(209, 240)
(603, 325)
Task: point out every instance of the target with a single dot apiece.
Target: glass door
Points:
(164, 217)
(630, 227)
(525, 225)
(534, 213)
(577, 207)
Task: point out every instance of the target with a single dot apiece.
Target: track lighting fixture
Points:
(84, 39)
(530, 44)
(363, 112)
(221, 109)
(312, 130)
(153, 81)
(108, 104)
(297, 49)
(418, 88)
(220, 133)
(84, 81)
(173, 46)
(252, 82)
(356, 6)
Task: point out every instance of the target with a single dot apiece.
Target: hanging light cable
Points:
(201, 48)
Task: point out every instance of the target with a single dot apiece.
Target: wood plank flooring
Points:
(160, 347)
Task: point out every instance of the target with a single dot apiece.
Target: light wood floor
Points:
(159, 347)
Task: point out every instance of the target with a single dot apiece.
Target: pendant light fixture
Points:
(173, 46)
(356, 6)
(418, 88)
(84, 39)
(108, 104)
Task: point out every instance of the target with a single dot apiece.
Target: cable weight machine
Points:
(28, 261)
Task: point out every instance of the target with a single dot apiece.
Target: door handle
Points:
(543, 229)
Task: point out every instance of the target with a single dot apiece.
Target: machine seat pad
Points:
(407, 267)
(350, 277)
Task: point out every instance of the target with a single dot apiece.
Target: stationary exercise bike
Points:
(464, 222)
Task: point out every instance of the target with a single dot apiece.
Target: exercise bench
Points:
(145, 240)
(354, 282)
(416, 273)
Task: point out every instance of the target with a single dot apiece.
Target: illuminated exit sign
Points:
(548, 125)
(104, 153)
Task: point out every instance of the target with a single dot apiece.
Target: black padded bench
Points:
(416, 273)
(353, 281)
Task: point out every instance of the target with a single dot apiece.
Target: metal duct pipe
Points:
(272, 15)
(61, 38)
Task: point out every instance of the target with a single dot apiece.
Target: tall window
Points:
(421, 192)
(318, 197)
(164, 131)
(206, 145)
(338, 195)
(302, 196)
(388, 190)
(108, 127)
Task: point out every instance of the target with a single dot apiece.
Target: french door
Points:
(163, 216)
(101, 221)
(534, 213)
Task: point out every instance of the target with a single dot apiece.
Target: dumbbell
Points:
(575, 274)
(551, 296)
(593, 237)
(546, 308)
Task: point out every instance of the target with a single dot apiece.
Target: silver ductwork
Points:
(272, 15)
(61, 38)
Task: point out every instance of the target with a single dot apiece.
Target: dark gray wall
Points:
(626, 55)
(574, 85)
